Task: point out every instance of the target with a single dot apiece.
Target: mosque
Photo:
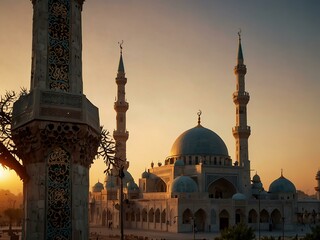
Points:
(199, 187)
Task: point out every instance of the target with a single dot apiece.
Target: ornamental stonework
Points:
(37, 139)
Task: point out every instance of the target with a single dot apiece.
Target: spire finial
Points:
(120, 45)
(239, 34)
(240, 55)
(199, 118)
(281, 172)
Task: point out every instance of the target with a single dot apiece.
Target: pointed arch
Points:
(276, 219)
(221, 188)
(252, 216)
(144, 215)
(264, 216)
(200, 218)
(151, 215)
(157, 215)
(161, 186)
(224, 219)
(186, 216)
(239, 215)
(163, 216)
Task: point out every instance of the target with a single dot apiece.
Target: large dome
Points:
(199, 141)
(282, 185)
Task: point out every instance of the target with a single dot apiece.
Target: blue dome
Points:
(239, 197)
(256, 178)
(98, 187)
(282, 185)
(179, 162)
(199, 141)
(132, 186)
(184, 184)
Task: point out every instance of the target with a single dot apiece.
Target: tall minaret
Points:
(55, 127)
(121, 106)
(241, 131)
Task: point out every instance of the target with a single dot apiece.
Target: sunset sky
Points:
(179, 57)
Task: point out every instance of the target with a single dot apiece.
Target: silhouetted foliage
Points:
(106, 150)
(238, 232)
(8, 156)
(268, 238)
(314, 235)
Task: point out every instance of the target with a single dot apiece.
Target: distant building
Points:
(200, 186)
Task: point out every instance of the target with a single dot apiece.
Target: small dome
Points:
(282, 185)
(184, 184)
(132, 186)
(256, 178)
(98, 187)
(239, 196)
(199, 141)
(179, 162)
(145, 174)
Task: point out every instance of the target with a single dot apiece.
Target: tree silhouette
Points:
(8, 156)
(314, 235)
(238, 232)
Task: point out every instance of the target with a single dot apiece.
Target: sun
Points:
(3, 172)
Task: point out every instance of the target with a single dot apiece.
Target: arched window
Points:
(151, 215)
(221, 188)
(264, 216)
(186, 216)
(161, 186)
(253, 216)
(157, 216)
(144, 215)
(163, 216)
(276, 216)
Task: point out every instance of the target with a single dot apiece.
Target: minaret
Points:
(121, 135)
(241, 131)
(55, 127)
(317, 188)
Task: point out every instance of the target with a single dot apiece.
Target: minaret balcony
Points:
(121, 106)
(242, 132)
(241, 97)
(120, 135)
(240, 69)
(121, 80)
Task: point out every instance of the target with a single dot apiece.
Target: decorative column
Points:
(55, 127)
(241, 131)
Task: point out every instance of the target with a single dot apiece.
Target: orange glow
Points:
(179, 58)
